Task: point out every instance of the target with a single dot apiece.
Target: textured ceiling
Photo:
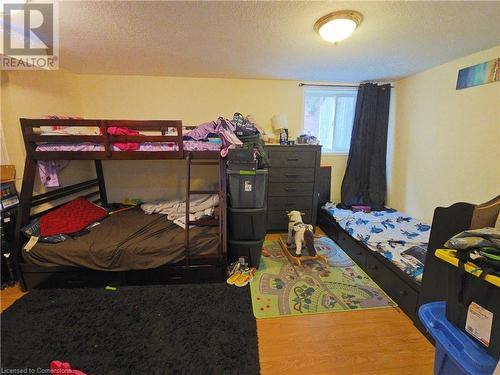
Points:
(270, 39)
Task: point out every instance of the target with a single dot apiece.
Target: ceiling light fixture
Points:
(337, 26)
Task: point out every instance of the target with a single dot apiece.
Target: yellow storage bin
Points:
(473, 303)
(450, 257)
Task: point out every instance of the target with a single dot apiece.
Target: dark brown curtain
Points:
(365, 177)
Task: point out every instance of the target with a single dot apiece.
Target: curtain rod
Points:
(330, 85)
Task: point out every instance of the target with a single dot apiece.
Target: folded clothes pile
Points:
(200, 206)
(222, 128)
(478, 246)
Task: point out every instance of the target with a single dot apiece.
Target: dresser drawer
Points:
(292, 158)
(278, 220)
(291, 174)
(290, 188)
(290, 203)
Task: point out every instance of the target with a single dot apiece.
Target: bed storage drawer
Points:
(291, 174)
(405, 296)
(292, 158)
(72, 279)
(284, 189)
(357, 253)
(277, 220)
(327, 225)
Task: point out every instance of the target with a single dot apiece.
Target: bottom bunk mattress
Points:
(126, 240)
(398, 237)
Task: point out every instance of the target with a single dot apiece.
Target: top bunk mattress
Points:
(398, 237)
(126, 240)
(144, 146)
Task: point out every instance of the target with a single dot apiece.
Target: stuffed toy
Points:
(301, 233)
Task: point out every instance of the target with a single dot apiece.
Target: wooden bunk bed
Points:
(192, 268)
(405, 291)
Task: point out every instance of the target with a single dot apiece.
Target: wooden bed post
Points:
(102, 185)
(23, 211)
(188, 197)
(223, 215)
(446, 222)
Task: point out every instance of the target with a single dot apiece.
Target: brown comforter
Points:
(127, 240)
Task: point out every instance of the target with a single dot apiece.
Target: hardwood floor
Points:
(368, 342)
(9, 295)
(382, 341)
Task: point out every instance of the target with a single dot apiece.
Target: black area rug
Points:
(188, 329)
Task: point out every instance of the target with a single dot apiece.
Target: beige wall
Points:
(446, 142)
(193, 100)
(36, 94)
(4, 156)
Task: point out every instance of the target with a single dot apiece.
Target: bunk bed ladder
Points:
(190, 162)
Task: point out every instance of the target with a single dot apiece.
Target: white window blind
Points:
(329, 115)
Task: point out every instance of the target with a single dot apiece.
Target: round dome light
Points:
(337, 26)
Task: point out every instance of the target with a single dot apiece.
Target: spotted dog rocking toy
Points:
(301, 234)
(297, 229)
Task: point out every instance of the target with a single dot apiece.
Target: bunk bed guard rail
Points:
(31, 129)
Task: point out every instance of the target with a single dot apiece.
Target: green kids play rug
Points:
(280, 289)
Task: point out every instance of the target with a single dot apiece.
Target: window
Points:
(329, 115)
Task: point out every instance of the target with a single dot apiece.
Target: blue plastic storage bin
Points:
(456, 353)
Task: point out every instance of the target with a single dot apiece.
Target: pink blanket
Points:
(129, 146)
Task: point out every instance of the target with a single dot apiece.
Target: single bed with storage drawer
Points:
(404, 281)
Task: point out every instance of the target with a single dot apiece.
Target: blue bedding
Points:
(398, 237)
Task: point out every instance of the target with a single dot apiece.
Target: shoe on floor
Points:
(234, 273)
(235, 276)
(245, 277)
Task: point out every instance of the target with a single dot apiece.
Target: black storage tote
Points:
(241, 159)
(247, 224)
(249, 250)
(247, 189)
(473, 304)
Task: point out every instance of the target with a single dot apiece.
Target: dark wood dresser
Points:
(293, 184)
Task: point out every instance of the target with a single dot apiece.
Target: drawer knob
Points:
(292, 159)
(290, 189)
(291, 175)
(403, 293)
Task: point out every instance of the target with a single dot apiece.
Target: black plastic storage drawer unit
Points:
(247, 224)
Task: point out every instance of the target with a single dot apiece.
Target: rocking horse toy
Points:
(301, 234)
